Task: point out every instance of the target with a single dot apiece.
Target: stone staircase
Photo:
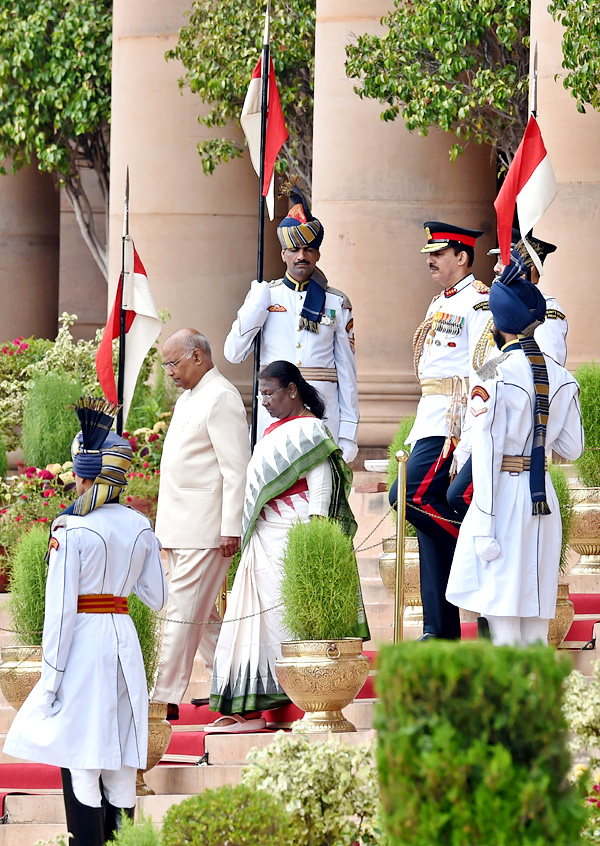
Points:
(29, 818)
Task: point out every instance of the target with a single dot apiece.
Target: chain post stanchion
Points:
(222, 599)
(401, 458)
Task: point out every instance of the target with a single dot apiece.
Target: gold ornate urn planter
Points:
(159, 735)
(413, 606)
(322, 677)
(585, 537)
(20, 671)
(565, 613)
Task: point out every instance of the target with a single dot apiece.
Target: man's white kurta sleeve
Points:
(62, 592)
(250, 319)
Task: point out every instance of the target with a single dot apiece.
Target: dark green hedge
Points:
(472, 746)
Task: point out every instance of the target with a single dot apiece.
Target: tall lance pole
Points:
(122, 312)
(533, 81)
(266, 61)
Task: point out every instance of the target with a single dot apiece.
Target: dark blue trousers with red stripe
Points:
(427, 482)
(460, 492)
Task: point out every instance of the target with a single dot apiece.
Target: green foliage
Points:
(456, 65)
(219, 48)
(233, 568)
(588, 464)
(472, 746)
(329, 789)
(582, 712)
(55, 66)
(147, 625)
(319, 585)
(49, 424)
(565, 502)
(142, 832)
(3, 458)
(27, 585)
(398, 443)
(236, 815)
(580, 46)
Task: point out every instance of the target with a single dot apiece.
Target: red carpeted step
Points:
(28, 778)
(586, 603)
(581, 630)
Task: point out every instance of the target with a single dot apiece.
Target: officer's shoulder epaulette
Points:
(345, 298)
(480, 286)
(60, 522)
(482, 306)
(555, 314)
(275, 282)
(490, 368)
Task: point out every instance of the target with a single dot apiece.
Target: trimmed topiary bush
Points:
(319, 584)
(588, 463)
(472, 746)
(139, 833)
(27, 585)
(562, 489)
(147, 626)
(49, 424)
(238, 816)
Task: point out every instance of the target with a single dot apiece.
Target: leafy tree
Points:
(55, 60)
(581, 48)
(457, 65)
(219, 48)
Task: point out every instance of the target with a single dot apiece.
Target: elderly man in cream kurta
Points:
(199, 518)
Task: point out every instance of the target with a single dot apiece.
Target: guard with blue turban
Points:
(305, 321)
(523, 406)
(88, 714)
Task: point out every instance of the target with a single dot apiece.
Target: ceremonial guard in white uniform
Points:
(444, 345)
(551, 337)
(306, 322)
(88, 714)
(525, 405)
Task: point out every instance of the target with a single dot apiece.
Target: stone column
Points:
(374, 184)
(196, 235)
(29, 257)
(572, 140)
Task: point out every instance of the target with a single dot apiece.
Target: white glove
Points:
(49, 704)
(349, 449)
(260, 295)
(486, 549)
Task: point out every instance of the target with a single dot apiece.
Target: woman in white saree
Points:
(296, 473)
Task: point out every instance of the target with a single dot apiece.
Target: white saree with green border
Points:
(244, 677)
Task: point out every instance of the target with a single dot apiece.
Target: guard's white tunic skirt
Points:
(93, 661)
(522, 581)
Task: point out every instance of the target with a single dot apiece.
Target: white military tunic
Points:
(276, 309)
(551, 336)
(522, 581)
(93, 661)
(460, 315)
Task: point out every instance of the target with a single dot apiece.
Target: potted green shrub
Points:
(323, 669)
(49, 424)
(586, 524)
(22, 664)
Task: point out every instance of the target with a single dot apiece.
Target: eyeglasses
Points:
(266, 398)
(171, 365)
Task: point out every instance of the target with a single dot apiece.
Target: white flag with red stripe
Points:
(276, 129)
(142, 326)
(531, 185)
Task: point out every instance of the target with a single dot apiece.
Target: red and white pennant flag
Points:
(531, 185)
(142, 327)
(276, 129)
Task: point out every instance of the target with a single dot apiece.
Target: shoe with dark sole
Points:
(172, 712)
(428, 636)
(199, 702)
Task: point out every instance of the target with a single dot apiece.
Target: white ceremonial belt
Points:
(442, 385)
(319, 374)
(518, 463)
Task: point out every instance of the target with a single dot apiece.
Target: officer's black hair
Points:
(463, 248)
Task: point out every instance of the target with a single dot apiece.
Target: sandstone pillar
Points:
(373, 186)
(195, 234)
(28, 254)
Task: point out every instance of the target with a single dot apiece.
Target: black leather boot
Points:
(86, 824)
(113, 818)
